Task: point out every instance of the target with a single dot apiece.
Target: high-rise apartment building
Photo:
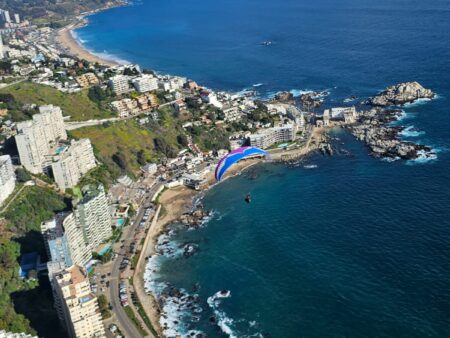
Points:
(145, 83)
(119, 84)
(36, 137)
(76, 305)
(80, 248)
(93, 214)
(70, 165)
(7, 178)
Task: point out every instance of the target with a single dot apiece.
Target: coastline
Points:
(173, 203)
(72, 46)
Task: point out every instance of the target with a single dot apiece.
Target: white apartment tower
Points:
(269, 137)
(51, 118)
(36, 137)
(7, 178)
(17, 18)
(92, 213)
(73, 163)
(6, 16)
(80, 250)
(76, 305)
(145, 83)
(119, 84)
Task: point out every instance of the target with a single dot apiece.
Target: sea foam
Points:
(411, 131)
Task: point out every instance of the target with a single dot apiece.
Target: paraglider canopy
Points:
(235, 156)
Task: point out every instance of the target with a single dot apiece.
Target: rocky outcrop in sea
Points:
(312, 99)
(400, 94)
(383, 139)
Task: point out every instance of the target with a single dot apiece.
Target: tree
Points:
(102, 302)
(140, 157)
(182, 140)
(130, 71)
(22, 175)
(163, 147)
(120, 160)
(106, 257)
(97, 94)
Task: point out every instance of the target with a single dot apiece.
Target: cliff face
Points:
(400, 94)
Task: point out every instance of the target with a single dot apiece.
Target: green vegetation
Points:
(135, 260)
(77, 105)
(45, 11)
(32, 207)
(125, 146)
(145, 318)
(104, 306)
(210, 138)
(98, 175)
(11, 282)
(22, 175)
(130, 313)
(23, 218)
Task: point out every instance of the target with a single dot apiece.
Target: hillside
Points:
(77, 105)
(125, 146)
(53, 10)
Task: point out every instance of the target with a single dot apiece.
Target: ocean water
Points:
(354, 247)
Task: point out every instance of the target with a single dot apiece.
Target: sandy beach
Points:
(73, 47)
(173, 203)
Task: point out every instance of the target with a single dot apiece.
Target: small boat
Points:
(310, 166)
(266, 43)
(248, 198)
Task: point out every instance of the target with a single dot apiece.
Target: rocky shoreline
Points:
(400, 94)
(383, 139)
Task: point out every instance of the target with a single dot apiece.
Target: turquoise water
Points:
(105, 249)
(59, 150)
(120, 222)
(355, 247)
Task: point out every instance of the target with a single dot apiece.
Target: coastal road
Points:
(125, 324)
(72, 125)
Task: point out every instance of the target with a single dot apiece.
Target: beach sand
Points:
(73, 47)
(173, 203)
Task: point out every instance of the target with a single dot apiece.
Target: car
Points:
(112, 328)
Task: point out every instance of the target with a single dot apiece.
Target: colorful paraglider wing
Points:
(235, 156)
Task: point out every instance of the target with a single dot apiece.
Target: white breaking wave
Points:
(390, 159)
(225, 323)
(105, 55)
(299, 92)
(424, 157)
(417, 102)
(411, 132)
